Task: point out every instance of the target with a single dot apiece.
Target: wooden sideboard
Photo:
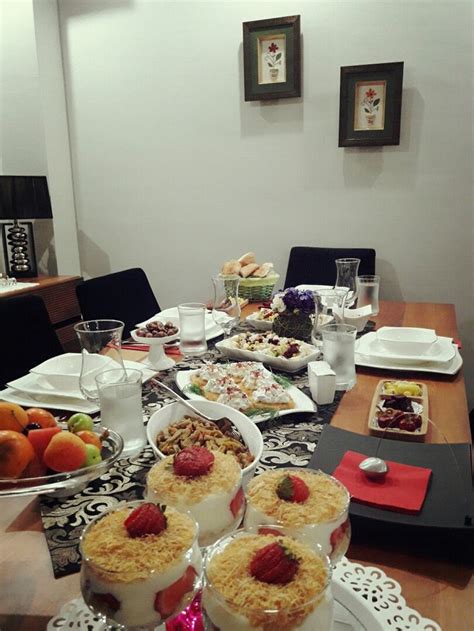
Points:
(59, 296)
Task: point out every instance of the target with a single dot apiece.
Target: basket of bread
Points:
(257, 281)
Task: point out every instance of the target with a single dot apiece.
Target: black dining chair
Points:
(28, 337)
(125, 295)
(316, 266)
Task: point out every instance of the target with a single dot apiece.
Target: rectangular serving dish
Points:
(418, 435)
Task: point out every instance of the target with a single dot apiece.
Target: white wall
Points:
(174, 172)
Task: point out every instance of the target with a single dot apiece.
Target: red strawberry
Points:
(146, 519)
(193, 461)
(167, 601)
(105, 603)
(338, 534)
(237, 502)
(293, 489)
(274, 564)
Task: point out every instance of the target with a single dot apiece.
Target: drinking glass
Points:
(338, 351)
(226, 306)
(192, 324)
(101, 342)
(325, 300)
(141, 593)
(120, 398)
(368, 292)
(347, 278)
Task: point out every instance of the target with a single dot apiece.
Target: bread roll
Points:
(263, 270)
(231, 267)
(248, 270)
(248, 258)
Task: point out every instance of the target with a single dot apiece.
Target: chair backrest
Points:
(28, 337)
(316, 266)
(125, 296)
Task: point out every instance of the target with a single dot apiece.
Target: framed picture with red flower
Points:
(370, 105)
(272, 67)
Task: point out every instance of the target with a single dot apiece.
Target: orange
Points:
(42, 417)
(12, 417)
(16, 452)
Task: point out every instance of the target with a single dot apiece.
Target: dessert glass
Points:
(146, 593)
(217, 511)
(314, 613)
(333, 534)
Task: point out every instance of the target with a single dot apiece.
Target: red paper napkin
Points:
(403, 489)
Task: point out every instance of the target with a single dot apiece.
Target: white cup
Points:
(120, 397)
(192, 325)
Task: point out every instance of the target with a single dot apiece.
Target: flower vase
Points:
(294, 325)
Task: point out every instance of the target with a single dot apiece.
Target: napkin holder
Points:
(322, 382)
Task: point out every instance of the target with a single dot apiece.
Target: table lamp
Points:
(22, 197)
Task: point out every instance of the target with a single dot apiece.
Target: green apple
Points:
(93, 456)
(79, 422)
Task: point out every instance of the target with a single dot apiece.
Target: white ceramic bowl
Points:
(174, 412)
(356, 317)
(406, 340)
(63, 371)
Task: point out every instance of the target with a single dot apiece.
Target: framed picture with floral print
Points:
(370, 105)
(272, 58)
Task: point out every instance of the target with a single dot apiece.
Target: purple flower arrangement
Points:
(294, 301)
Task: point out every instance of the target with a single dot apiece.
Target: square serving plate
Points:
(445, 525)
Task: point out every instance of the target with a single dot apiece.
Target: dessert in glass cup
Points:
(206, 483)
(310, 505)
(264, 582)
(140, 564)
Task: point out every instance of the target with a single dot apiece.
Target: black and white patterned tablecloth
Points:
(288, 441)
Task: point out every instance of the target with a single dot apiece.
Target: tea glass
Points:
(338, 351)
(347, 278)
(368, 292)
(226, 305)
(120, 398)
(192, 325)
(98, 338)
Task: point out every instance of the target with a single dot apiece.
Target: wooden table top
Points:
(443, 591)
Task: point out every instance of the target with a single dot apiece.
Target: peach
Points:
(90, 437)
(42, 417)
(65, 452)
(12, 417)
(16, 452)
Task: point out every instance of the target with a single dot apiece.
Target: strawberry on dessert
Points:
(206, 483)
(277, 583)
(308, 504)
(140, 564)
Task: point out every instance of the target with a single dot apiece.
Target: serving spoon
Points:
(224, 424)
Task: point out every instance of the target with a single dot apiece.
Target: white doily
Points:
(368, 593)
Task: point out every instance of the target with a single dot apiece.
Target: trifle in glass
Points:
(140, 564)
(206, 483)
(257, 582)
(310, 505)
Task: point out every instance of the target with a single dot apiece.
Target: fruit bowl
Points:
(64, 484)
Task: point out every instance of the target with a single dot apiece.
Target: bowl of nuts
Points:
(156, 334)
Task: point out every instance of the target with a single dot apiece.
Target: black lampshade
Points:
(24, 197)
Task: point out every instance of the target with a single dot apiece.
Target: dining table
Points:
(436, 587)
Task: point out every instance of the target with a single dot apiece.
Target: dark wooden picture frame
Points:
(273, 71)
(370, 105)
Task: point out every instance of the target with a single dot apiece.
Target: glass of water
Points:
(338, 351)
(368, 292)
(192, 325)
(120, 398)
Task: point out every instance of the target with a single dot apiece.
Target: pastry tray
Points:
(419, 434)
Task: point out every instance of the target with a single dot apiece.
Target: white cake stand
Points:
(156, 357)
